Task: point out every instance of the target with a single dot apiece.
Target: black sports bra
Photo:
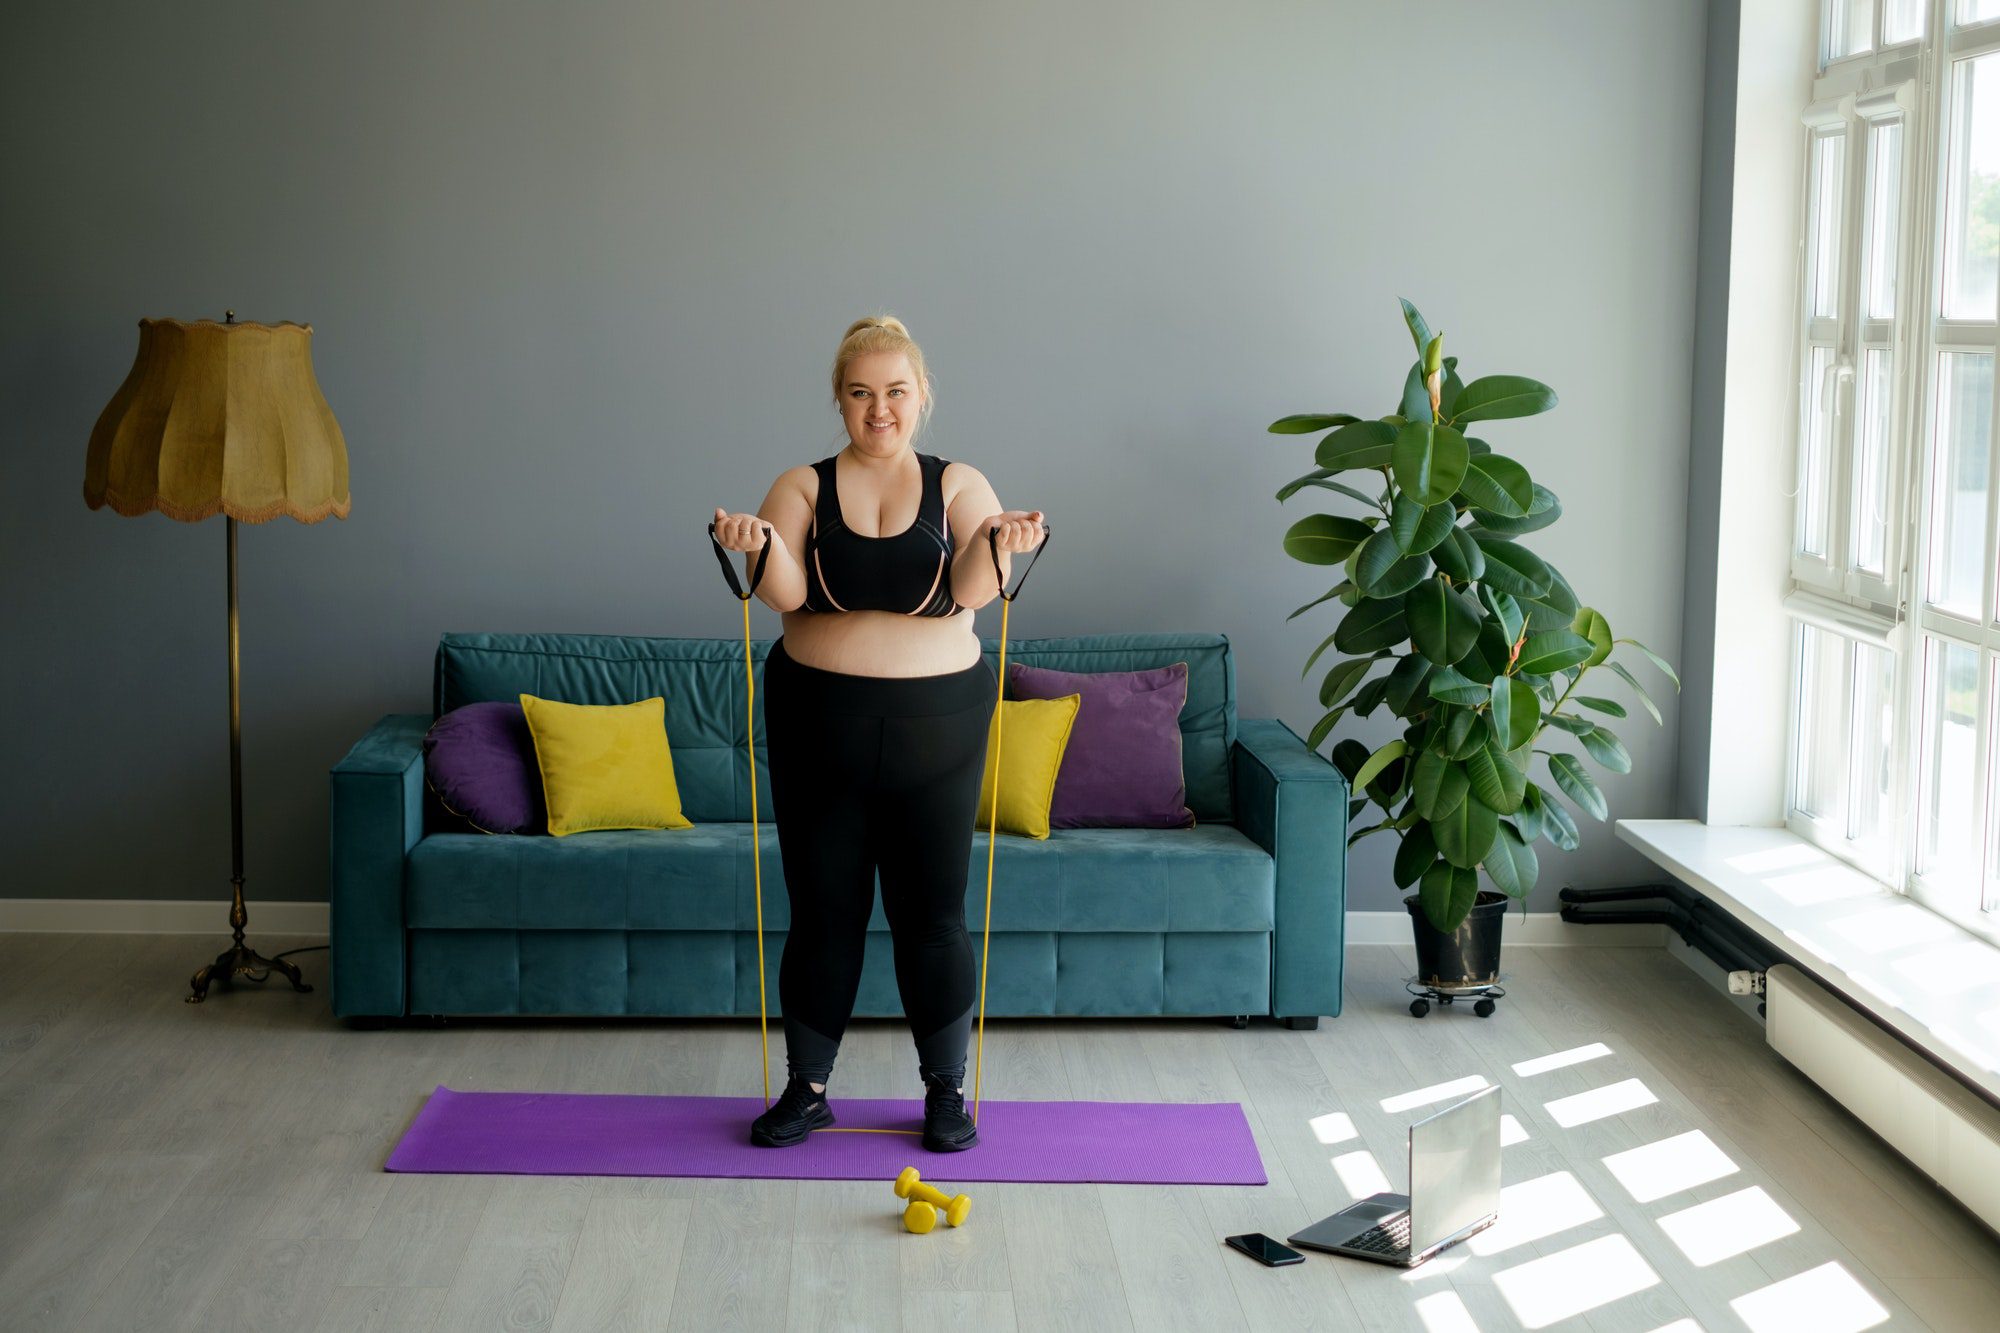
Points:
(909, 571)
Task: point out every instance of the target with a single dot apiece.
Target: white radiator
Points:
(1949, 1132)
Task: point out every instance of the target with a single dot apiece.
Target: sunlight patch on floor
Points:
(1669, 1166)
(1583, 1277)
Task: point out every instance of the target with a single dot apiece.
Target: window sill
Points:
(1922, 976)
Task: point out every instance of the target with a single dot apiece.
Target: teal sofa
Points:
(1240, 915)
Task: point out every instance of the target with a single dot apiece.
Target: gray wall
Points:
(577, 274)
(1704, 463)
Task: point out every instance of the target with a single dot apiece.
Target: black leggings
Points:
(876, 774)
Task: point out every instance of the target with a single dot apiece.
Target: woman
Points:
(877, 704)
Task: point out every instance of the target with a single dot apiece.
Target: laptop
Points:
(1454, 1191)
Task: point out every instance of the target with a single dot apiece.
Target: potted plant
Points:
(1484, 646)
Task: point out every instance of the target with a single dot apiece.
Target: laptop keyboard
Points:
(1391, 1237)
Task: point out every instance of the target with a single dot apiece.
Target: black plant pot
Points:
(1470, 955)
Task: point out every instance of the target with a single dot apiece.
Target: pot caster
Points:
(1483, 1008)
(1418, 1008)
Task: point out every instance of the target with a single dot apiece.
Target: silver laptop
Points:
(1454, 1191)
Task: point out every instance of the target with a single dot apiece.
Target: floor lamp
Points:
(222, 418)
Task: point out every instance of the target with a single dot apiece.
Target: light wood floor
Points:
(219, 1166)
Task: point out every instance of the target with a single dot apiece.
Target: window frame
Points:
(1912, 83)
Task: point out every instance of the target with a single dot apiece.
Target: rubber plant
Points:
(1483, 644)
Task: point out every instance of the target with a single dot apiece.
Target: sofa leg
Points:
(366, 1022)
(1307, 1023)
(1239, 1020)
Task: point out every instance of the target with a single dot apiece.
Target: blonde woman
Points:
(877, 704)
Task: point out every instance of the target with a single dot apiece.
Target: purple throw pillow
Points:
(1122, 768)
(479, 761)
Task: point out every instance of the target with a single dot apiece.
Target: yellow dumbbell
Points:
(922, 1213)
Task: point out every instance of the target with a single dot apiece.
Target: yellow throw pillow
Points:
(1031, 737)
(605, 766)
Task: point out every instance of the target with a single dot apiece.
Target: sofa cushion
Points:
(1208, 878)
(702, 682)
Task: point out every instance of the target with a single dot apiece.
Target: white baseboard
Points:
(1535, 928)
(138, 916)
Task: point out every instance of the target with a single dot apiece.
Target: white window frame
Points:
(1911, 82)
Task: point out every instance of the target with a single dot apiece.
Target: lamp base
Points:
(241, 960)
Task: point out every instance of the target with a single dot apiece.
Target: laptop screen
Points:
(1454, 1168)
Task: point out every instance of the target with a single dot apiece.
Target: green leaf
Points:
(1494, 396)
(1459, 555)
(1513, 568)
(1416, 403)
(1373, 502)
(1557, 825)
(1378, 761)
(1414, 855)
(1324, 539)
(1511, 865)
(1359, 444)
(1593, 626)
(1455, 687)
(1375, 623)
(1498, 485)
(1429, 461)
(1611, 706)
(1420, 332)
(1419, 527)
(1306, 425)
(1528, 819)
(1348, 756)
(1570, 722)
(1466, 832)
(1437, 785)
(1323, 726)
(1463, 741)
(1444, 622)
(1542, 511)
(1406, 682)
(1577, 784)
(1516, 714)
(1639, 689)
(1330, 592)
(1450, 388)
(1289, 488)
(1447, 894)
(1342, 679)
(1606, 749)
(1497, 778)
(1552, 650)
(1506, 611)
(1657, 660)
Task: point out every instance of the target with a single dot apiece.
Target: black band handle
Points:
(729, 568)
(993, 540)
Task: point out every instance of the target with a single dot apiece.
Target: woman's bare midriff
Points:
(881, 643)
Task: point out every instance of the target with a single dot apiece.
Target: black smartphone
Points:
(1265, 1250)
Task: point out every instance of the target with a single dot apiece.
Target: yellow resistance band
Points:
(756, 849)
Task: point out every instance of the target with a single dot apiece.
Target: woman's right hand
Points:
(742, 532)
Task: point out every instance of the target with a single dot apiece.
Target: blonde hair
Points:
(880, 333)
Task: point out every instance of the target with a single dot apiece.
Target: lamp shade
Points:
(219, 418)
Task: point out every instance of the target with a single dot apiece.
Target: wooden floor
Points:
(219, 1166)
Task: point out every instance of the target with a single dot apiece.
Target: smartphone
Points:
(1265, 1250)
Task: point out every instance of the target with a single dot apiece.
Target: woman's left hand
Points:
(1018, 529)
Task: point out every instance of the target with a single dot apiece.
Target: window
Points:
(1895, 566)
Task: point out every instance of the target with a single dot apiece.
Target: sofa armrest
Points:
(376, 809)
(1293, 803)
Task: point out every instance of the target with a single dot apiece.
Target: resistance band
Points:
(756, 849)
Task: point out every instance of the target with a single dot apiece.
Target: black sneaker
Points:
(797, 1112)
(947, 1128)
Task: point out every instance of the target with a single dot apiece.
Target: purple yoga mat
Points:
(623, 1134)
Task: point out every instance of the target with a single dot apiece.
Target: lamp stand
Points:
(239, 960)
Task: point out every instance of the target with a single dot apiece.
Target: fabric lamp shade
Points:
(219, 418)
